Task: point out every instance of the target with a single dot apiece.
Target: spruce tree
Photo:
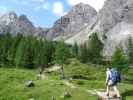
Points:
(25, 54)
(130, 50)
(75, 50)
(6, 42)
(83, 53)
(12, 50)
(120, 60)
(19, 56)
(95, 49)
(44, 53)
(29, 53)
(61, 55)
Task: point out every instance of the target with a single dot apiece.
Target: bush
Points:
(120, 60)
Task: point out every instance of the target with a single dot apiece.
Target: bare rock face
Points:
(114, 24)
(115, 21)
(112, 13)
(24, 25)
(41, 32)
(14, 24)
(70, 24)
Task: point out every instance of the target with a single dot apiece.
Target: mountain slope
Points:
(14, 24)
(70, 24)
(115, 21)
(114, 24)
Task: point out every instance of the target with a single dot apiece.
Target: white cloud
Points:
(46, 6)
(97, 4)
(58, 9)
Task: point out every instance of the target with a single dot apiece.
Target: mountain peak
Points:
(78, 17)
(23, 17)
(11, 15)
(80, 4)
(83, 6)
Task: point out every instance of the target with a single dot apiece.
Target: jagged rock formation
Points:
(41, 32)
(14, 24)
(114, 24)
(69, 25)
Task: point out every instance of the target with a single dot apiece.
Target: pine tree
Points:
(19, 56)
(44, 53)
(12, 50)
(61, 55)
(95, 48)
(75, 50)
(6, 42)
(50, 50)
(29, 53)
(130, 50)
(84, 53)
(119, 60)
(25, 53)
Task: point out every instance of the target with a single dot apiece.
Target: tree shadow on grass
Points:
(83, 77)
(127, 93)
(129, 81)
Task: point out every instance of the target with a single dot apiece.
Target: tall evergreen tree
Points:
(29, 53)
(130, 50)
(19, 56)
(95, 49)
(75, 50)
(6, 42)
(84, 53)
(44, 53)
(12, 50)
(25, 53)
(119, 59)
(61, 55)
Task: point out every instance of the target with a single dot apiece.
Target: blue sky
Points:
(44, 12)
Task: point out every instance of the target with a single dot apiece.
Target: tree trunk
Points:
(41, 70)
(62, 72)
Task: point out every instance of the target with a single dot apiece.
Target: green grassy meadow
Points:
(85, 77)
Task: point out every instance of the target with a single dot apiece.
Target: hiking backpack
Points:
(115, 76)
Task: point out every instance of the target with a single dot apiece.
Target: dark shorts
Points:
(112, 83)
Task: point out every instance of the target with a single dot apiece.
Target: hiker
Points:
(112, 78)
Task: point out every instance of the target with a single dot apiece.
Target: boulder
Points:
(103, 96)
(66, 95)
(30, 84)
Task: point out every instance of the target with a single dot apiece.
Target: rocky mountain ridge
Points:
(75, 20)
(113, 23)
(11, 22)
